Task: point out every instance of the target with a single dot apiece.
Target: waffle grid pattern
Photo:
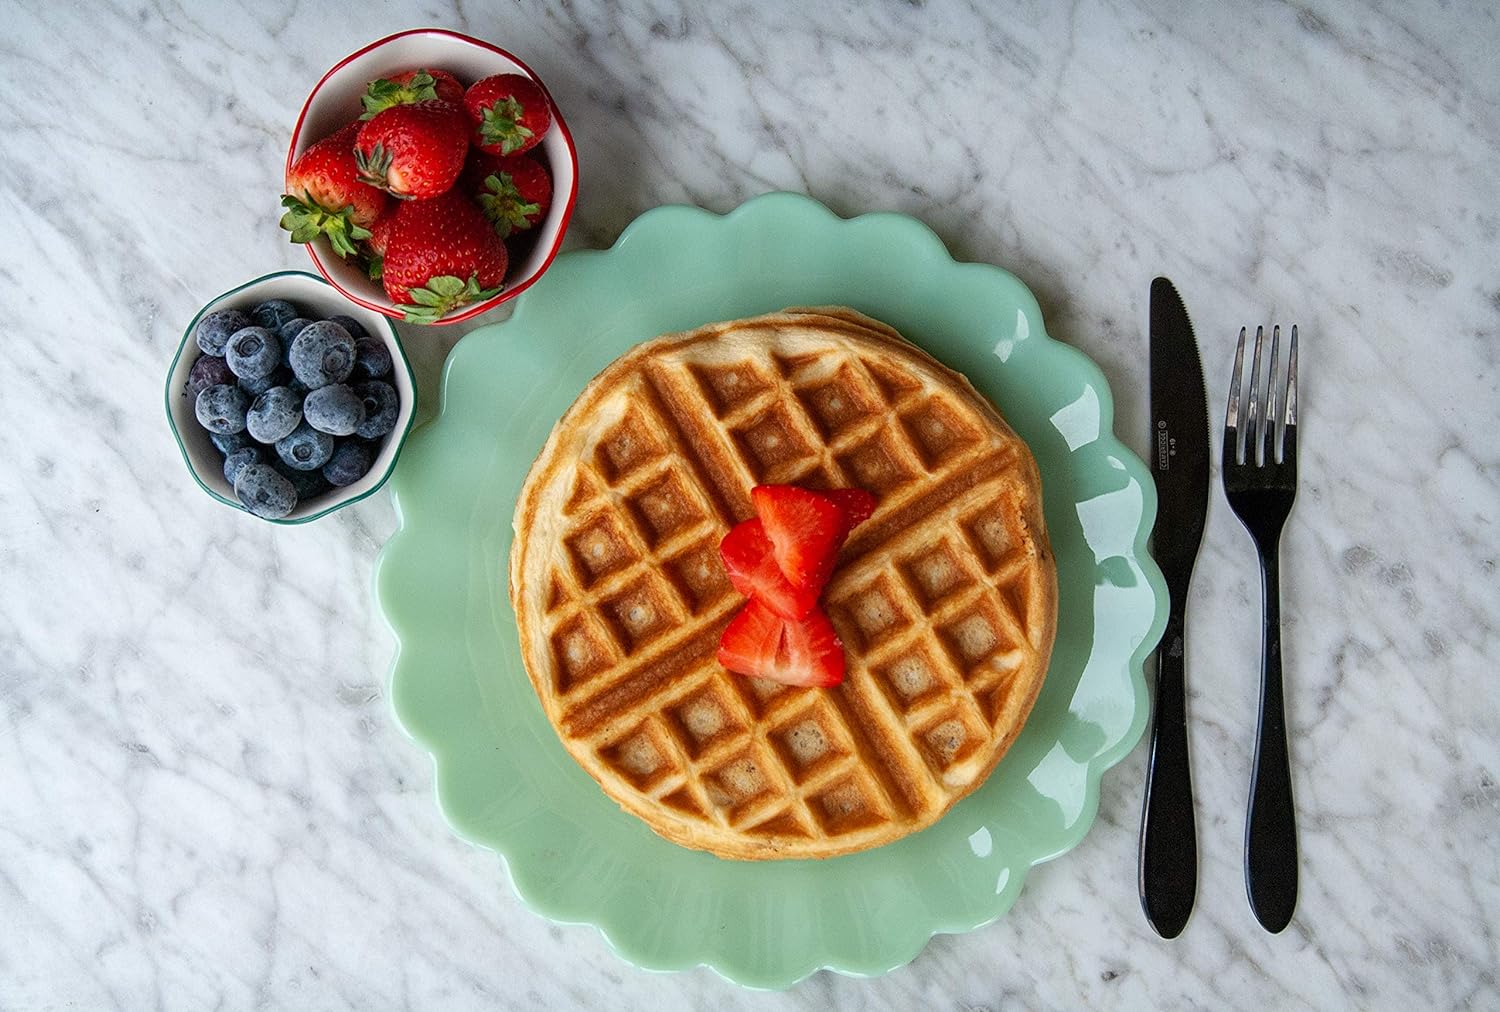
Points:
(913, 725)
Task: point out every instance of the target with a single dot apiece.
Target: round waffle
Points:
(945, 599)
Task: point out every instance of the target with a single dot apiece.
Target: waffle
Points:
(945, 599)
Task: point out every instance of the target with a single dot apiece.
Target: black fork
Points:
(1260, 482)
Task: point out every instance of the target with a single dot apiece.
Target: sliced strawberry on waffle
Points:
(781, 560)
(753, 571)
(805, 530)
(805, 652)
(857, 504)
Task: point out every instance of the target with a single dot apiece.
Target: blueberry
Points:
(208, 371)
(282, 377)
(274, 415)
(382, 404)
(372, 359)
(264, 492)
(227, 442)
(334, 409)
(237, 460)
(354, 327)
(272, 313)
(307, 483)
(290, 329)
(221, 408)
(322, 354)
(215, 329)
(253, 352)
(349, 463)
(256, 387)
(305, 449)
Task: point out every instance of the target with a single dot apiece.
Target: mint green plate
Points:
(503, 779)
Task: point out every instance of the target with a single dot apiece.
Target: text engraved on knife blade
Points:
(1166, 445)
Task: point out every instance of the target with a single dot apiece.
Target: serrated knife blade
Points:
(1179, 435)
(1179, 466)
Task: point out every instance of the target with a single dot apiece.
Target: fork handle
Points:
(1271, 828)
(1169, 836)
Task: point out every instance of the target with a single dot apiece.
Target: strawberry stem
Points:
(500, 123)
(373, 167)
(443, 294)
(384, 93)
(307, 220)
(504, 206)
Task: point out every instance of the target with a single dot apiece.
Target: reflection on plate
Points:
(504, 780)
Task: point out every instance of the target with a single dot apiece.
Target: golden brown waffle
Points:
(945, 599)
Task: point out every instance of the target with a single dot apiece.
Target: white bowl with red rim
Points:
(335, 102)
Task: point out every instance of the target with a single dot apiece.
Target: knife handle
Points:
(1169, 838)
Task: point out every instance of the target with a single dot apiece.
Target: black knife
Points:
(1179, 465)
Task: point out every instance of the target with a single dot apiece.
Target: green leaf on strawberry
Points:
(501, 124)
(504, 207)
(442, 295)
(384, 93)
(306, 221)
(374, 165)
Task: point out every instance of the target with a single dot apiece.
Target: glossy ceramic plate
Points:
(504, 780)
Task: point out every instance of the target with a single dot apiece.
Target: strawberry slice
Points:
(804, 652)
(857, 504)
(805, 530)
(751, 640)
(753, 571)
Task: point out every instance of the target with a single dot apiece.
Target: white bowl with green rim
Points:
(317, 300)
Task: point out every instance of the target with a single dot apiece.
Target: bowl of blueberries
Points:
(287, 401)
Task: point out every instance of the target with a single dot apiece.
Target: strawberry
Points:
(410, 87)
(324, 195)
(805, 530)
(513, 192)
(413, 151)
(442, 254)
(380, 238)
(509, 113)
(857, 504)
(762, 644)
(752, 570)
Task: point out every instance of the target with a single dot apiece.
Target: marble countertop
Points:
(204, 800)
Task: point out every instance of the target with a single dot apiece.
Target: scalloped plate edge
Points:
(1094, 768)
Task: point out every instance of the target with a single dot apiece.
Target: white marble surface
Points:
(204, 801)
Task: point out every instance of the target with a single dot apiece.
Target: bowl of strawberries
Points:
(430, 176)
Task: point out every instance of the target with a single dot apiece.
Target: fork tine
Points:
(1232, 413)
(1257, 406)
(1289, 409)
(1291, 383)
(1271, 443)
